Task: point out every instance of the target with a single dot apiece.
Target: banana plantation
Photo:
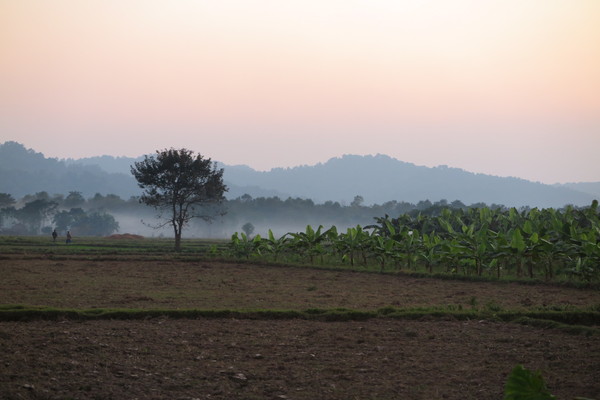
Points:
(546, 244)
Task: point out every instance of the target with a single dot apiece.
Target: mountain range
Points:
(377, 179)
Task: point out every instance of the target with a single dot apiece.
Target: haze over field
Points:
(508, 88)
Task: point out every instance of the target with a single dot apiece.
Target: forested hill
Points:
(377, 179)
(24, 171)
(381, 178)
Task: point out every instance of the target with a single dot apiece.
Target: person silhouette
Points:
(54, 235)
(68, 237)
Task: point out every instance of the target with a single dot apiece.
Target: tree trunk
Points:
(177, 238)
(177, 242)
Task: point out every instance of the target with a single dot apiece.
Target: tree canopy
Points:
(181, 185)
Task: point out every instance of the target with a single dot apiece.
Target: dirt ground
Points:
(286, 359)
(172, 285)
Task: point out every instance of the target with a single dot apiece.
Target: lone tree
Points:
(181, 186)
(248, 228)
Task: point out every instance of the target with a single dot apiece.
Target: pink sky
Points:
(504, 87)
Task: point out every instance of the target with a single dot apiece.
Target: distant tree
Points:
(495, 206)
(38, 196)
(248, 228)
(181, 186)
(97, 198)
(108, 202)
(6, 207)
(58, 198)
(74, 199)
(96, 224)
(64, 220)
(84, 224)
(458, 204)
(34, 214)
(246, 197)
(331, 204)
(441, 203)
(424, 204)
(358, 201)
(6, 200)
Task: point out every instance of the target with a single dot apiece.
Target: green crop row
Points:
(532, 243)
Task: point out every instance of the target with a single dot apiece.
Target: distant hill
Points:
(122, 165)
(24, 171)
(377, 179)
(592, 188)
(381, 178)
(110, 164)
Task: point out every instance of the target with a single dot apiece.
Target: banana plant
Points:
(471, 239)
(383, 248)
(354, 241)
(310, 242)
(475, 242)
(274, 246)
(431, 246)
(243, 246)
(409, 242)
(499, 252)
(518, 247)
(476, 239)
(451, 254)
(587, 256)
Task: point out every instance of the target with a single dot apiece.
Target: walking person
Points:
(54, 235)
(68, 237)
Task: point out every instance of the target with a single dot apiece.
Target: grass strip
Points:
(549, 324)
(575, 322)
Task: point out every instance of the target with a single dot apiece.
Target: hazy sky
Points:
(504, 87)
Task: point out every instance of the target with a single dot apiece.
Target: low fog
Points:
(220, 228)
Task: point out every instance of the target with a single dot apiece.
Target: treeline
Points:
(101, 215)
(41, 213)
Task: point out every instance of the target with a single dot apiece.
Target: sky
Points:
(501, 87)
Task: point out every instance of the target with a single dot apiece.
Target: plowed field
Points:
(380, 358)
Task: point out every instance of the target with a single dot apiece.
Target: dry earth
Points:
(171, 284)
(291, 359)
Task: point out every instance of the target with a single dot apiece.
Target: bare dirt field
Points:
(380, 358)
(175, 284)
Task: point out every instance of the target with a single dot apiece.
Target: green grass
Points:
(576, 322)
